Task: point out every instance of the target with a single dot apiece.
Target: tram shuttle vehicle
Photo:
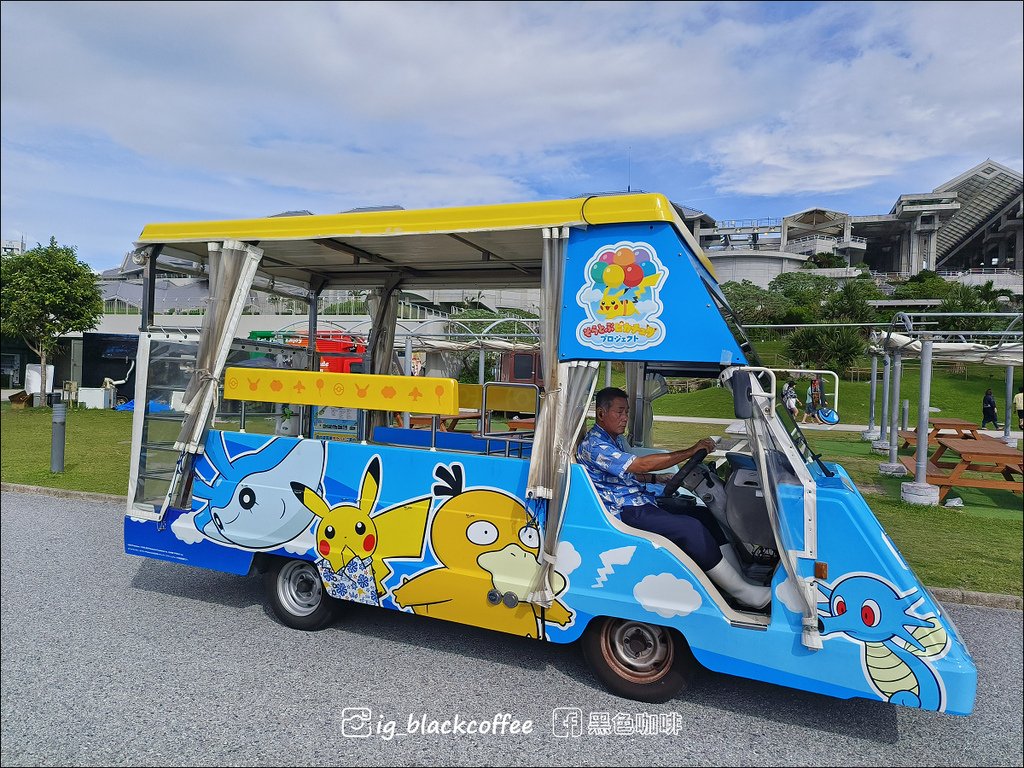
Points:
(504, 529)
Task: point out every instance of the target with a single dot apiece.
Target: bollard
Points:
(906, 415)
(60, 418)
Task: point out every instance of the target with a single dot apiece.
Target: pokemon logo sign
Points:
(621, 298)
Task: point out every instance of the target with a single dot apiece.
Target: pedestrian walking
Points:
(988, 410)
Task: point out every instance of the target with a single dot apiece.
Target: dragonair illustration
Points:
(246, 500)
(896, 643)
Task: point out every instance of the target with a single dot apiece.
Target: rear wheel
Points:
(639, 661)
(297, 595)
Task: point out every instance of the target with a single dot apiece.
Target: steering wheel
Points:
(677, 479)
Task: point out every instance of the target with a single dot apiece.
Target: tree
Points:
(850, 303)
(834, 349)
(999, 299)
(824, 260)
(45, 293)
(926, 284)
(754, 305)
(805, 291)
(962, 300)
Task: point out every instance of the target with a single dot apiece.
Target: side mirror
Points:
(742, 400)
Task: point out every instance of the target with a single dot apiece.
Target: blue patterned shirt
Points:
(607, 460)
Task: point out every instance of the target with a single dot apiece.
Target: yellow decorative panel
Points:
(499, 398)
(418, 394)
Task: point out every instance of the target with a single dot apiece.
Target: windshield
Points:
(798, 438)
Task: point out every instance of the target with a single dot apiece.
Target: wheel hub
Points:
(640, 652)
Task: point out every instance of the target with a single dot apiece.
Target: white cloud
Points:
(107, 126)
(789, 596)
(667, 595)
(184, 527)
(567, 559)
(301, 544)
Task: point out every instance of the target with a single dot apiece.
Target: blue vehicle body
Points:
(449, 525)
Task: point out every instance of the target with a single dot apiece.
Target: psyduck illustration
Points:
(487, 547)
(354, 543)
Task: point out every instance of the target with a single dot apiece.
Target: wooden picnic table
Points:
(527, 423)
(960, 428)
(445, 423)
(990, 457)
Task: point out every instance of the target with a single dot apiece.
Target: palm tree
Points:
(991, 295)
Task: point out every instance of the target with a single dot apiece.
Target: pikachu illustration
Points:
(354, 542)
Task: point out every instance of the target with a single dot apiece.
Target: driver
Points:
(620, 479)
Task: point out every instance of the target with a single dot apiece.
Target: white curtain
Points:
(578, 378)
(541, 481)
(568, 388)
(232, 267)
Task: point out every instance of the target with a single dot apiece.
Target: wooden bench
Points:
(933, 472)
(982, 456)
(515, 424)
(909, 437)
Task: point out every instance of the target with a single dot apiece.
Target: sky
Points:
(116, 115)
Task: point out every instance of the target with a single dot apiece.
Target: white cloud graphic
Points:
(587, 297)
(647, 307)
(185, 529)
(789, 594)
(567, 559)
(301, 544)
(667, 595)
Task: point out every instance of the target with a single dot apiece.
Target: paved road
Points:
(113, 660)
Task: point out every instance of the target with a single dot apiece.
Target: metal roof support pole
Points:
(872, 433)
(882, 444)
(1008, 414)
(149, 289)
(919, 491)
(407, 417)
(893, 468)
(312, 363)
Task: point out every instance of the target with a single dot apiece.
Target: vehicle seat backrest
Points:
(455, 441)
(745, 507)
(740, 460)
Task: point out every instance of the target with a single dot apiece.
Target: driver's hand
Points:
(707, 444)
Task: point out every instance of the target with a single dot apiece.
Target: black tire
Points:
(297, 595)
(644, 662)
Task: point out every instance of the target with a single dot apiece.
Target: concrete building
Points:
(970, 223)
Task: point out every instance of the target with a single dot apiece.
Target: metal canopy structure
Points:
(984, 191)
(480, 246)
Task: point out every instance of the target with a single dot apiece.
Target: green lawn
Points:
(955, 396)
(95, 456)
(975, 547)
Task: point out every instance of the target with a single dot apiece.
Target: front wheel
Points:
(639, 661)
(297, 595)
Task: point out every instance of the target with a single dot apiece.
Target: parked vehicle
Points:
(507, 532)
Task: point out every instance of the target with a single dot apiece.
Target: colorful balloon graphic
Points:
(632, 275)
(613, 276)
(623, 267)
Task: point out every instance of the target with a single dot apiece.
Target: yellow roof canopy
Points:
(480, 246)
